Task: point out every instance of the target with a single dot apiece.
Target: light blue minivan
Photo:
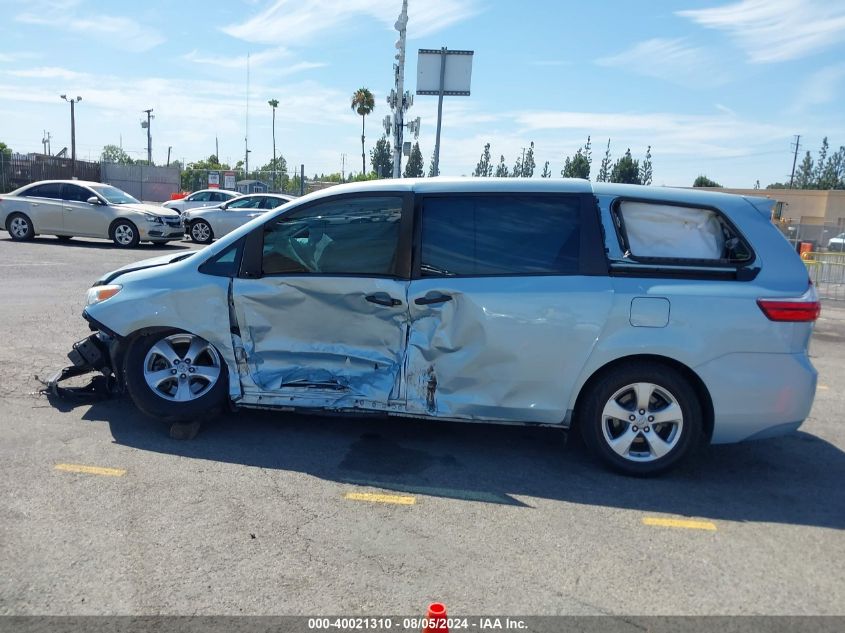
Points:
(653, 319)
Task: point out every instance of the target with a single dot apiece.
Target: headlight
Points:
(153, 218)
(101, 293)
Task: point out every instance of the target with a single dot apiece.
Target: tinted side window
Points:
(75, 193)
(199, 197)
(49, 190)
(352, 236)
(217, 197)
(500, 235)
(243, 203)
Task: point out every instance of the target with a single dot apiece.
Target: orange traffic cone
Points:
(436, 619)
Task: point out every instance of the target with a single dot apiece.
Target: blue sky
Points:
(715, 87)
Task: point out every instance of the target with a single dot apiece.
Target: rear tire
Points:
(642, 419)
(201, 232)
(175, 376)
(124, 234)
(20, 227)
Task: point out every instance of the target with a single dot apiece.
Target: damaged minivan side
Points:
(652, 319)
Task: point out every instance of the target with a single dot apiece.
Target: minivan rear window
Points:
(472, 235)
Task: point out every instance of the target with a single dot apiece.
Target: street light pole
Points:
(149, 137)
(72, 102)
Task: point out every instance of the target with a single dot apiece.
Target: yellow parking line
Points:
(689, 524)
(822, 387)
(380, 498)
(91, 470)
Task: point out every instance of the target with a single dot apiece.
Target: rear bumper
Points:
(756, 396)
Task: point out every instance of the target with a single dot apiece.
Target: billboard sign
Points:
(456, 77)
(229, 180)
(214, 180)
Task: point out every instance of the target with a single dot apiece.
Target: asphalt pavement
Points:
(271, 513)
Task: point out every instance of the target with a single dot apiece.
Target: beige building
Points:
(804, 206)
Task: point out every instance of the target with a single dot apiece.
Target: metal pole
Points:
(72, 140)
(302, 179)
(440, 111)
(149, 137)
(399, 105)
(274, 148)
(169, 147)
(794, 160)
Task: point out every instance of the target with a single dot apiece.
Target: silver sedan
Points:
(71, 208)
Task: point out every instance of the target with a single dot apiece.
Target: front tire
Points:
(175, 376)
(201, 232)
(20, 227)
(642, 419)
(124, 234)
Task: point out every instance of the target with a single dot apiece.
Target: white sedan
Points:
(205, 224)
(201, 198)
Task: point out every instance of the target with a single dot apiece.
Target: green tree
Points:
(115, 154)
(363, 103)
(546, 171)
(275, 173)
(804, 178)
(604, 169)
(484, 168)
(579, 165)
(431, 171)
(528, 163)
(516, 172)
(381, 158)
(415, 167)
(195, 175)
(704, 181)
(646, 170)
(5, 150)
(502, 169)
(777, 185)
(626, 170)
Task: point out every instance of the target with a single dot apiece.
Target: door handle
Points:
(427, 301)
(383, 299)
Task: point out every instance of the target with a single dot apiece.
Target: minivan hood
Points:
(152, 262)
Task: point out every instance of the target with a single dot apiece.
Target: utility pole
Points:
(794, 159)
(72, 102)
(217, 149)
(399, 100)
(343, 168)
(246, 135)
(169, 147)
(149, 136)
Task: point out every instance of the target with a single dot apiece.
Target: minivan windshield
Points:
(113, 195)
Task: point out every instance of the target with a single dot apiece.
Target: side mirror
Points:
(93, 200)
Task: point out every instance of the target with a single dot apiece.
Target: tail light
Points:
(794, 310)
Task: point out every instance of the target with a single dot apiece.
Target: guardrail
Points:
(827, 270)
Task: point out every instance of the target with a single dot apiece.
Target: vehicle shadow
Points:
(94, 243)
(792, 480)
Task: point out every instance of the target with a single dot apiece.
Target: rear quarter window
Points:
(656, 231)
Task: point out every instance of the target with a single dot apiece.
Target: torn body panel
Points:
(502, 349)
(322, 341)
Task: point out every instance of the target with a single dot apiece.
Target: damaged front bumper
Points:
(92, 354)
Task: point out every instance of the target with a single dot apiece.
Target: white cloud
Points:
(117, 31)
(47, 72)
(239, 61)
(776, 30)
(819, 88)
(295, 22)
(672, 60)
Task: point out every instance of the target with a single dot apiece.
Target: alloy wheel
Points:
(182, 367)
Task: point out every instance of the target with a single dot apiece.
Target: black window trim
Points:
(675, 266)
(252, 258)
(592, 258)
(239, 245)
(26, 192)
(83, 187)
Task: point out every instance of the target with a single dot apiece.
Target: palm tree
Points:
(274, 103)
(363, 103)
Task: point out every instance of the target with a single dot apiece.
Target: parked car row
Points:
(76, 208)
